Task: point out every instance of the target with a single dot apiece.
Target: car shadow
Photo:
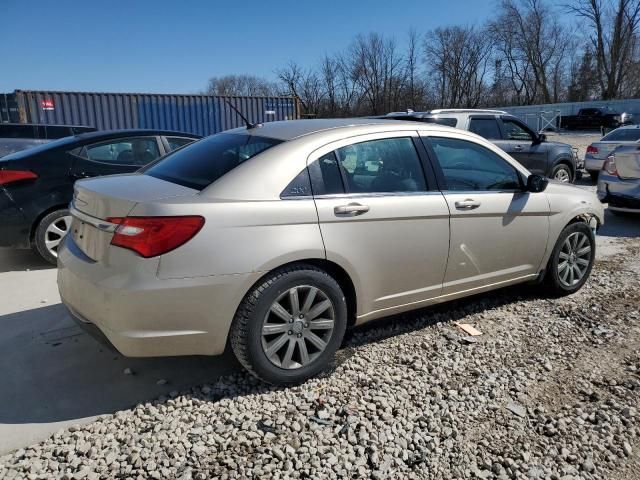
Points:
(51, 371)
(16, 260)
(616, 225)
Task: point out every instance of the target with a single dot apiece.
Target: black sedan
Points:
(36, 185)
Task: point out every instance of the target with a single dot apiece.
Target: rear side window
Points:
(58, 131)
(200, 164)
(485, 127)
(130, 151)
(325, 175)
(449, 122)
(177, 142)
(623, 135)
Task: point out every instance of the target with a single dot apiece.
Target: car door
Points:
(523, 145)
(121, 155)
(381, 218)
(498, 230)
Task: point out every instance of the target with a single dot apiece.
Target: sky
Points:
(161, 46)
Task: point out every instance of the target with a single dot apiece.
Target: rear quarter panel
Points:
(240, 237)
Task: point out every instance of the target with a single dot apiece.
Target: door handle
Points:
(351, 209)
(467, 204)
(517, 148)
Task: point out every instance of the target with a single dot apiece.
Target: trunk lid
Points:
(96, 199)
(606, 148)
(628, 162)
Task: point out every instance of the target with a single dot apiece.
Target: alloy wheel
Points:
(562, 176)
(55, 232)
(574, 259)
(298, 326)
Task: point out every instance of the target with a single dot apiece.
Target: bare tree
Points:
(614, 26)
(304, 84)
(534, 47)
(240, 85)
(457, 58)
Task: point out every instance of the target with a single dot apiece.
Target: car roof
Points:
(14, 124)
(292, 129)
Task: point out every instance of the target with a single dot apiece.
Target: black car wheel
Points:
(288, 328)
(50, 232)
(571, 260)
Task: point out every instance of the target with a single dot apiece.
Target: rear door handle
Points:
(467, 204)
(351, 209)
(517, 148)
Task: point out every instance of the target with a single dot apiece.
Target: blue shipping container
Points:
(199, 114)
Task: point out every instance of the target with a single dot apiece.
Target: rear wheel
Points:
(50, 232)
(571, 260)
(288, 328)
(562, 173)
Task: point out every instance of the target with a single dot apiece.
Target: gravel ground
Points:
(550, 390)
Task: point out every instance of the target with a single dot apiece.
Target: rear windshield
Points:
(200, 164)
(623, 135)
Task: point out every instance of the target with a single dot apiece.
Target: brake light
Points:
(609, 165)
(153, 236)
(10, 176)
(592, 149)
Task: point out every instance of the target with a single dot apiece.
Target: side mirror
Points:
(542, 138)
(536, 183)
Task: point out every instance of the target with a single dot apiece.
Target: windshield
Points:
(623, 135)
(200, 164)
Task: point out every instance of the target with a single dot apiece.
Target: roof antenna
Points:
(247, 122)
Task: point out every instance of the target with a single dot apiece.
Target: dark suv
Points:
(552, 159)
(36, 185)
(20, 136)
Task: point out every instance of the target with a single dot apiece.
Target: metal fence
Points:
(199, 114)
(539, 117)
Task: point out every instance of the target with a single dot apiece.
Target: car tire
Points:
(567, 262)
(562, 173)
(274, 346)
(594, 176)
(49, 233)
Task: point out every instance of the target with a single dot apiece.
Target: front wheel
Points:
(288, 328)
(562, 173)
(571, 260)
(50, 232)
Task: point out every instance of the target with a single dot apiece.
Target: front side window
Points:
(485, 127)
(467, 166)
(515, 131)
(201, 163)
(381, 166)
(130, 151)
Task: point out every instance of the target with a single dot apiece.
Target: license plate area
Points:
(89, 239)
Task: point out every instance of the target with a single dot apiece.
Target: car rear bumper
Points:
(142, 315)
(619, 193)
(593, 164)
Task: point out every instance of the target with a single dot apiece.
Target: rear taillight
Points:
(11, 176)
(609, 165)
(592, 149)
(152, 236)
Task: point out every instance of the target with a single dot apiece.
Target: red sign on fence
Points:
(47, 105)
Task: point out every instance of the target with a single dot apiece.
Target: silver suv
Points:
(552, 159)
